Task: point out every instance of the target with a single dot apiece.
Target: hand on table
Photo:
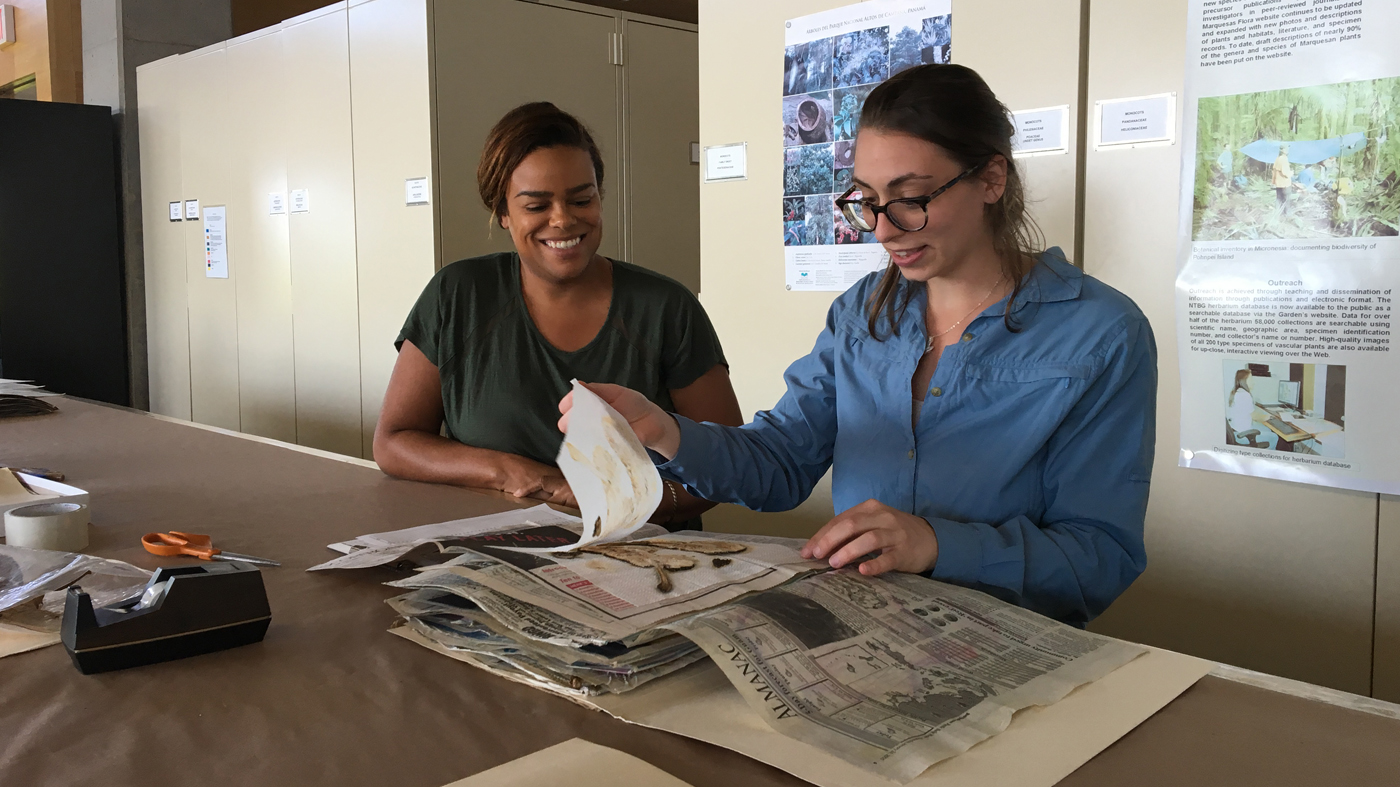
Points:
(654, 427)
(521, 477)
(905, 542)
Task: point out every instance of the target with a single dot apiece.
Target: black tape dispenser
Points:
(183, 611)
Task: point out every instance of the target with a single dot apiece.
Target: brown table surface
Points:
(330, 698)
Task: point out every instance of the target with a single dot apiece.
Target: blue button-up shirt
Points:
(1030, 459)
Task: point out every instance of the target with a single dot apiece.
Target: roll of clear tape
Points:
(62, 527)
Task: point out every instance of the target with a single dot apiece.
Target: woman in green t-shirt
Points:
(493, 342)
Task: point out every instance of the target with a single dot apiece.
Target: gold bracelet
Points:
(675, 502)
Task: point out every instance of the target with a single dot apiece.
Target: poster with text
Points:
(1289, 253)
(832, 61)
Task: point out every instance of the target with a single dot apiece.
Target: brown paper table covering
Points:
(330, 697)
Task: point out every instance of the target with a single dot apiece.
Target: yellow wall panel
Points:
(204, 142)
(256, 118)
(393, 142)
(1267, 575)
(167, 313)
(325, 294)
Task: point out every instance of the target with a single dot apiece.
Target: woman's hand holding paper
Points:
(655, 428)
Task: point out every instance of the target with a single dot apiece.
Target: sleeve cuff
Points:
(959, 551)
(695, 447)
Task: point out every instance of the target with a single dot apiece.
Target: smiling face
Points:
(554, 213)
(890, 165)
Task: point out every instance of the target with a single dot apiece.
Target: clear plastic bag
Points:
(30, 574)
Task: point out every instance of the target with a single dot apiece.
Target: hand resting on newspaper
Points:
(905, 542)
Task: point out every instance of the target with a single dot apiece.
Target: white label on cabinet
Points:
(301, 200)
(191, 209)
(215, 243)
(276, 203)
(175, 214)
(727, 162)
(415, 191)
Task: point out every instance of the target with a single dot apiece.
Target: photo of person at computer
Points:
(1289, 407)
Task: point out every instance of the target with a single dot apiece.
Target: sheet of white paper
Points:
(576, 763)
(612, 477)
(379, 548)
(215, 243)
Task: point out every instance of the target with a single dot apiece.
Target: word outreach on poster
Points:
(1289, 255)
(832, 62)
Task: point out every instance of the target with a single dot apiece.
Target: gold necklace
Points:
(928, 347)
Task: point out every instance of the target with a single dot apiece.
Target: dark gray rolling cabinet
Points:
(61, 304)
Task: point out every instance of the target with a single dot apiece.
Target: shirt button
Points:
(967, 337)
(911, 453)
(937, 391)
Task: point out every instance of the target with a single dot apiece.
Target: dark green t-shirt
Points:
(502, 380)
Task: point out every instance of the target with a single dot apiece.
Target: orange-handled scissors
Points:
(194, 545)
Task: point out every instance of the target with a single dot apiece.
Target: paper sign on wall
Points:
(215, 243)
(276, 203)
(1040, 131)
(727, 162)
(1136, 121)
(831, 62)
(191, 209)
(175, 212)
(415, 191)
(1288, 259)
(7, 25)
(301, 200)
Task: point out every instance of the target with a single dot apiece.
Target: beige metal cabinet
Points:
(393, 143)
(338, 105)
(204, 141)
(325, 288)
(262, 257)
(167, 311)
(663, 119)
(491, 56)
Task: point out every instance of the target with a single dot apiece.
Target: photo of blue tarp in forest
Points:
(1311, 162)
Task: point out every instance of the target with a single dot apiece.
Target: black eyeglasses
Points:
(909, 214)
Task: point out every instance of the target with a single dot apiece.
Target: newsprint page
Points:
(1289, 242)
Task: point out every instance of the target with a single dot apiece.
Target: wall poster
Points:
(832, 61)
(1288, 260)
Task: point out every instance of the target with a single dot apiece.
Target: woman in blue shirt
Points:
(987, 410)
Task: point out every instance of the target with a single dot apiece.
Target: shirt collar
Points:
(1052, 279)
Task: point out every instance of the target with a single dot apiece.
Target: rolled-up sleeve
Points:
(1088, 546)
(772, 463)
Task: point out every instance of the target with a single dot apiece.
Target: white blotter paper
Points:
(613, 479)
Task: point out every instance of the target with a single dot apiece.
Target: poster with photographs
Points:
(1289, 242)
(831, 62)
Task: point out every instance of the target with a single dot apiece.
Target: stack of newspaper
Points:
(578, 622)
